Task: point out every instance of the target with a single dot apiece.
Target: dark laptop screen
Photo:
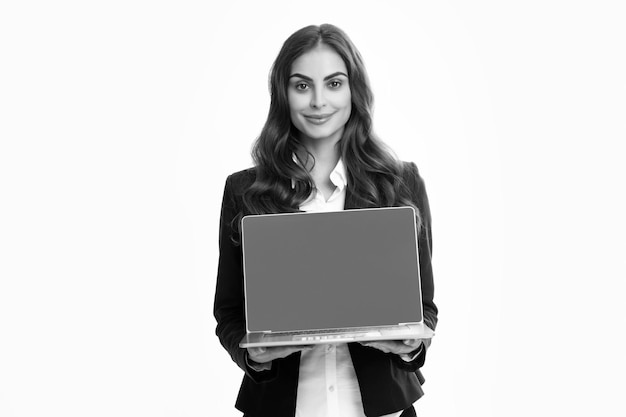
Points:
(326, 270)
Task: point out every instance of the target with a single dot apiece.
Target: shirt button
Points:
(331, 388)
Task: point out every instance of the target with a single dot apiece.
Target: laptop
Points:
(331, 277)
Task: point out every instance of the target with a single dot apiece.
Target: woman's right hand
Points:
(268, 354)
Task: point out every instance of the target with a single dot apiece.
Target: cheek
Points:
(347, 101)
(347, 105)
(295, 102)
(294, 109)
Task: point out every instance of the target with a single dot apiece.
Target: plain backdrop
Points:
(120, 120)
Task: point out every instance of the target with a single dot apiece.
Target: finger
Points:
(414, 343)
(392, 346)
(372, 344)
(297, 348)
(389, 344)
(256, 351)
(380, 347)
(282, 352)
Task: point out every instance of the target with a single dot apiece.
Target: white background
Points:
(120, 120)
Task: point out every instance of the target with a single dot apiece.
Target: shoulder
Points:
(415, 184)
(410, 173)
(241, 180)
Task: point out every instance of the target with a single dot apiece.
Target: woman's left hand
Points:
(397, 347)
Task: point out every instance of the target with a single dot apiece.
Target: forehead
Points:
(319, 62)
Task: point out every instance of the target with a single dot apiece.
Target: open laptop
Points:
(331, 277)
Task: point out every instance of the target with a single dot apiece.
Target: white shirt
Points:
(327, 383)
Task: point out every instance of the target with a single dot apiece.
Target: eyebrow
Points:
(328, 77)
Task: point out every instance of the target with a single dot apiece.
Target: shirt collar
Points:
(338, 175)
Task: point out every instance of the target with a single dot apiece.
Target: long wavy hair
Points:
(374, 175)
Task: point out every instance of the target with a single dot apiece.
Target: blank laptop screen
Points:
(350, 268)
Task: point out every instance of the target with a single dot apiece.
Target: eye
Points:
(334, 84)
(301, 86)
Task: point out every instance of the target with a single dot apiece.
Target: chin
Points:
(321, 135)
(322, 132)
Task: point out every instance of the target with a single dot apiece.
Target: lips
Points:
(318, 119)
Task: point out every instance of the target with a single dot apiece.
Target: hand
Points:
(394, 346)
(268, 354)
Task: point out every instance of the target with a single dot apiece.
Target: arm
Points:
(420, 198)
(257, 363)
(411, 354)
(425, 248)
(228, 307)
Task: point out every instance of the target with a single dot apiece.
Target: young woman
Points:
(317, 152)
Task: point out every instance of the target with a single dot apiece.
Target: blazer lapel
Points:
(354, 202)
(350, 202)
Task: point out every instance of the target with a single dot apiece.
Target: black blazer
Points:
(387, 383)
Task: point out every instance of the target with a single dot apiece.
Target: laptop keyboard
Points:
(326, 331)
(334, 334)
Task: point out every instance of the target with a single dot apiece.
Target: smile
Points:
(318, 119)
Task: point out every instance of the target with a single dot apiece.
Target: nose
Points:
(318, 100)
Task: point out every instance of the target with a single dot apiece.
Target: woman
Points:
(317, 152)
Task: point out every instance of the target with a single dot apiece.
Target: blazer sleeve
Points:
(420, 199)
(228, 307)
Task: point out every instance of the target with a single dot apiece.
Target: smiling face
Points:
(319, 95)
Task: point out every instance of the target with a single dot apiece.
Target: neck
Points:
(325, 151)
(326, 155)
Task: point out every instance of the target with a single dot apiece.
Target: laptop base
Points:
(399, 332)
